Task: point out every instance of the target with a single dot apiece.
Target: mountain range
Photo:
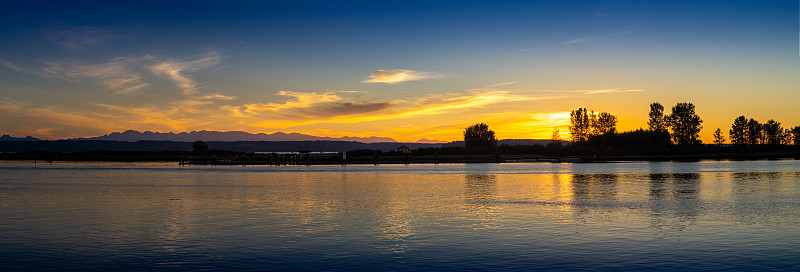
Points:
(228, 136)
(8, 138)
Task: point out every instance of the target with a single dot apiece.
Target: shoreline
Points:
(241, 158)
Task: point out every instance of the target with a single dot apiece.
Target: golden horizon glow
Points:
(407, 74)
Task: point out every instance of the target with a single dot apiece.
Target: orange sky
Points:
(421, 72)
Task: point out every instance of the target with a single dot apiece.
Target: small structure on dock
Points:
(404, 149)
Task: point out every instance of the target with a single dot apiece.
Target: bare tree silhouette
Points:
(719, 139)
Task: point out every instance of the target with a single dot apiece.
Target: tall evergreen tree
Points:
(657, 121)
(795, 131)
(772, 132)
(738, 132)
(786, 137)
(753, 132)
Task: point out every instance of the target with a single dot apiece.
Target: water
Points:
(666, 216)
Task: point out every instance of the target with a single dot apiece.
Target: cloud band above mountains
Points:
(394, 76)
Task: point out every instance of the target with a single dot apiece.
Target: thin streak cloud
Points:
(119, 75)
(578, 40)
(394, 76)
(314, 105)
(431, 105)
(177, 70)
(599, 91)
(87, 37)
(130, 75)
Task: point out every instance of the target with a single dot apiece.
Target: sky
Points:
(408, 70)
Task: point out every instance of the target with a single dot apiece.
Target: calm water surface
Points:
(697, 216)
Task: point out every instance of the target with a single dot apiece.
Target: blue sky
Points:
(407, 70)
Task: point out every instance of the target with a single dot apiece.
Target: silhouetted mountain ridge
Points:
(8, 138)
(227, 136)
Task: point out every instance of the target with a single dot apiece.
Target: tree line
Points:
(681, 127)
(746, 131)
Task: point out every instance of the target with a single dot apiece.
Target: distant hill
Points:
(244, 146)
(426, 141)
(8, 138)
(227, 136)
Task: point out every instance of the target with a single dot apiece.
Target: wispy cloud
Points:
(216, 96)
(578, 40)
(13, 66)
(301, 100)
(87, 37)
(306, 111)
(177, 70)
(393, 76)
(129, 75)
(313, 104)
(601, 14)
(599, 91)
(429, 105)
(626, 31)
(119, 74)
(601, 36)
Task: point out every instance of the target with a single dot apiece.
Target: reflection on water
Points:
(674, 200)
(480, 192)
(480, 189)
(594, 195)
(705, 216)
(750, 190)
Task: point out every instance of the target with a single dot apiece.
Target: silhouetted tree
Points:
(685, 124)
(657, 121)
(718, 138)
(555, 138)
(795, 131)
(479, 135)
(606, 123)
(200, 146)
(579, 125)
(738, 132)
(753, 132)
(772, 132)
(786, 137)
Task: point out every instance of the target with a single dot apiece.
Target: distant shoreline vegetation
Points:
(552, 152)
(593, 137)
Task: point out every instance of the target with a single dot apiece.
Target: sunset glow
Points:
(425, 70)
